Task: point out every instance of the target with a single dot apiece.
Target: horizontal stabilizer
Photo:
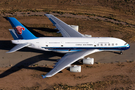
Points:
(18, 47)
(13, 33)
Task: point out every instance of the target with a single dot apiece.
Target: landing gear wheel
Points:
(121, 52)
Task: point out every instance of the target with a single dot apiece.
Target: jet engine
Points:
(86, 35)
(88, 61)
(75, 68)
(75, 27)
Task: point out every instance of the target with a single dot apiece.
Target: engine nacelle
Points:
(75, 68)
(75, 27)
(68, 66)
(88, 61)
(86, 35)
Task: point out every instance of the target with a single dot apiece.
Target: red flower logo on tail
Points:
(19, 29)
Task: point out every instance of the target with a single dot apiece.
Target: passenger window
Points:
(46, 45)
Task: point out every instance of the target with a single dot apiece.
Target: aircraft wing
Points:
(64, 28)
(18, 47)
(67, 60)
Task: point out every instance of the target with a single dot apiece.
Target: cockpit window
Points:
(125, 43)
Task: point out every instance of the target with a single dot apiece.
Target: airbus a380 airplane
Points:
(75, 44)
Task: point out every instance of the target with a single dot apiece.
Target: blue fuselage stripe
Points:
(83, 48)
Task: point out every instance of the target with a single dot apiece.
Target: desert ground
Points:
(22, 70)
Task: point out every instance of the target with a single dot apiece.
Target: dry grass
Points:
(111, 80)
(103, 77)
(122, 10)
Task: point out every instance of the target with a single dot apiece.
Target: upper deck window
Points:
(125, 43)
(79, 44)
(76, 42)
(54, 42)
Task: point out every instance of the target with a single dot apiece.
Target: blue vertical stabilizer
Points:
(19, 31)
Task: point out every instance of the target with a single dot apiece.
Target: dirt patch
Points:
(87, 25)
(99, 76)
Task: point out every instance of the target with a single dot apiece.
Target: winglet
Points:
(43, 76)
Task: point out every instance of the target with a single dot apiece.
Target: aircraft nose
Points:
(128, 46)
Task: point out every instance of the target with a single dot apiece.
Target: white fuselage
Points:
(70, 44)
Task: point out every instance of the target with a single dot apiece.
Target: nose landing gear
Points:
(121, 52)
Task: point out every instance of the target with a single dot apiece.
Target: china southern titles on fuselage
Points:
(74, 44)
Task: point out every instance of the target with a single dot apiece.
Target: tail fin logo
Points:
(19, 29)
